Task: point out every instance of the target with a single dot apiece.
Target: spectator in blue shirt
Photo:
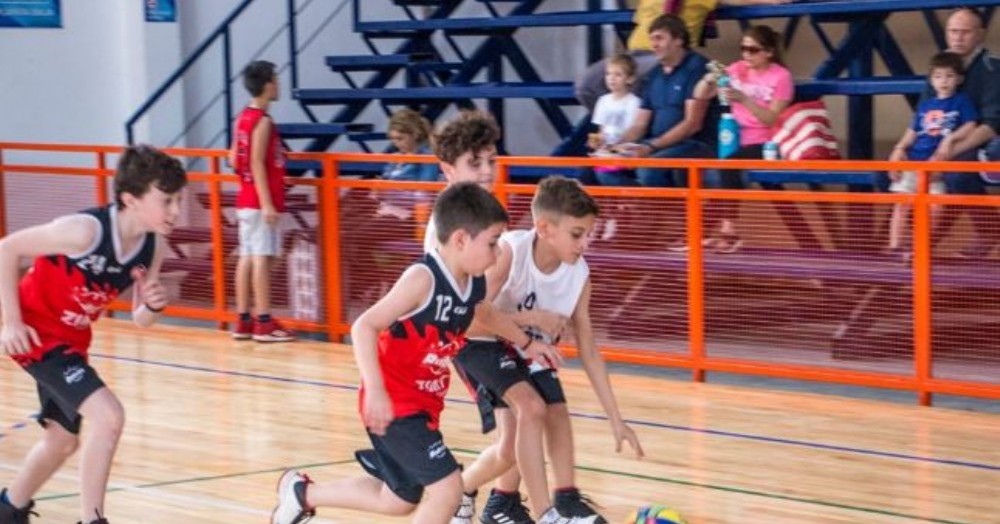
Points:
(670, 121)
(965, 33)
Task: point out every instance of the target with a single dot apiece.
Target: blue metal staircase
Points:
(416, 71)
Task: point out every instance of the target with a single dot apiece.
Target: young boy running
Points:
(540, 272)
(404, 345)
(81, 263)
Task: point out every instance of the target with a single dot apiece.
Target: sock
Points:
(503, 493)
(264, 319)
(245, 317)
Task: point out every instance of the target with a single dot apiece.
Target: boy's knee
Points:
(399, 508)
(62, 442)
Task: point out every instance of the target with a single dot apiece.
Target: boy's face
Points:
(945, 81)
(569, 236)
(157, 210)
(472, 166)
(271, 89)
(479, 252)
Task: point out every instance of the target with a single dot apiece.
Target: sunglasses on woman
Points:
(751, 49)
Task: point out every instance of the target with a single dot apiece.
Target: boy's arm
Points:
(258, 168)
(65, 235)
(899, 150)
(149, 297)
(593, 364)
(489, 320)
(408, 294)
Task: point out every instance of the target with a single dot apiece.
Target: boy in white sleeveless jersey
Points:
(540, 273)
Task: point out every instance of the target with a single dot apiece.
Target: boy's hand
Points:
(898, 155)
(895, 176)
(270, 214)
(544, 354)
(623, 432)
(944, 151)
(18, 339)
(377, 411)
(553, 324)
(154, 295)
(151, 292)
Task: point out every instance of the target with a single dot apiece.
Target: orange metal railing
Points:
(327, 194)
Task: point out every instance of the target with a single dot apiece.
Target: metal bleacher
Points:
(432, 83)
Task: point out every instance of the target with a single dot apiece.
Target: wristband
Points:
(152, 309)
(649, 144)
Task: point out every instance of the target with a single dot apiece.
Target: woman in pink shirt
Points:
(760, 88)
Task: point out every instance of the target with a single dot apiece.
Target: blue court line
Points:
(18, 425)
(590, 416)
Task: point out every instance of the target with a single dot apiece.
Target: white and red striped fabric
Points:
(803, 132)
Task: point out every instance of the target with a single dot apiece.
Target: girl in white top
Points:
(616, 110)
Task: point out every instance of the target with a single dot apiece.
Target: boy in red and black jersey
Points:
(404, 345)
(259, 159)
(82, 262)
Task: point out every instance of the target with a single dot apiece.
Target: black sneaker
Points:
(575, 506)
(11, 515)
(100, 519)
(502, 508)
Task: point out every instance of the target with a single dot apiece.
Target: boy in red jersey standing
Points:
(404, 345)
(259, 159)
(82, 262)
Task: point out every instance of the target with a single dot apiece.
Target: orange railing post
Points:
(696, 276)
(101, 180)
(330, 227)
(922, 288)
(500, 184)
(218, 247)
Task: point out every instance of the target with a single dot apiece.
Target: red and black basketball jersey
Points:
(61, 295)
(274, 161)
(415, 352)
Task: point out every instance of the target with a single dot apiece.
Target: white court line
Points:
(182, 500)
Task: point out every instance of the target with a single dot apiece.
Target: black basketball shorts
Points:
(65, 381)
(490, 368)
(408, 457)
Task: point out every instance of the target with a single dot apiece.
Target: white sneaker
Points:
(552, 516)
(291, 508)
(466, 510)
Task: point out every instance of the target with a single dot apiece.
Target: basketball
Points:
(655, 515)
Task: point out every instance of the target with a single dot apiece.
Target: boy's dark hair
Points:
(563, 196)
(142, 167)
(467, 206)
(947, 60)
(256, 75)
(673, 25)
(626, 62)
(471, 131)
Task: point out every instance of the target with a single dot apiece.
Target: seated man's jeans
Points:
(659, 177)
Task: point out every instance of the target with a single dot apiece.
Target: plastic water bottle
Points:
(722, 83)
(729, 135)
(770, 151)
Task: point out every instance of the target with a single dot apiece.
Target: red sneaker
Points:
(272, 332)
(243, 330)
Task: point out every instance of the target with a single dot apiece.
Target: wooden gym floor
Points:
(212, 422)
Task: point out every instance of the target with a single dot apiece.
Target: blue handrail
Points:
(221, 31)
